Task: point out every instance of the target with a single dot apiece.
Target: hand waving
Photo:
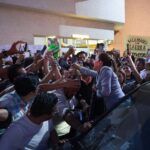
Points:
(13, 49)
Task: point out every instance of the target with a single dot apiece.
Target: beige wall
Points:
(96, 9)
(23, 24)
(137, 22)
(63, 6)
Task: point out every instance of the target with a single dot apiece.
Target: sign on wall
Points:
(138, 45)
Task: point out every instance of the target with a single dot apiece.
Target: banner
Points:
(138, 45)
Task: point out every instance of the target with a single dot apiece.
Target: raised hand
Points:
(76, 66)
(13, 49)
(49, 57)
(71, 50)
(128, 50)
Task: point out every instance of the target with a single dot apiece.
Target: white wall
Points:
(109, 10)
(93, 33)
(23, 24)
(137, 22)
(64, 6)
(16, 24)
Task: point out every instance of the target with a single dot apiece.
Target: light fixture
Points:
(52, 37)
(80, 36)
(101, 41)
(109, 42)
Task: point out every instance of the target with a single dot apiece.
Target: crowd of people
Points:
(76, 88)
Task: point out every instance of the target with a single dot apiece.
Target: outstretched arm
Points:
(13, 49)
(135, 71)
(59, 84)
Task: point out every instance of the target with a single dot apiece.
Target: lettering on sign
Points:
(138, 45)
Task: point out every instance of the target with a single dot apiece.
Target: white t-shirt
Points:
(24, 133)
(63, 103)
(143, 73)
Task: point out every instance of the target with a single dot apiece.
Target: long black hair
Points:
(108, 61)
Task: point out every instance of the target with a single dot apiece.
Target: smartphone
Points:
(128, 50)
(25, 47)
(43, 49)
(21, 47)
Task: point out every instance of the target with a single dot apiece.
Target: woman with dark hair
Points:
(107, 84)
